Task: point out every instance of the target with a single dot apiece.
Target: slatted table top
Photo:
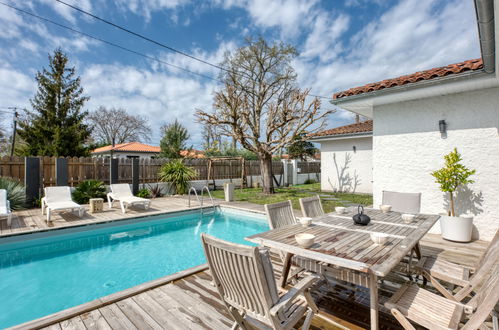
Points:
(338, 241)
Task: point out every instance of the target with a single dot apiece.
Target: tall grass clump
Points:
(16, 193)
(178, 174)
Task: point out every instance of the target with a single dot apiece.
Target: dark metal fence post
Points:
(113, 170)
(135, 175)
(32, 179)
(61, 172)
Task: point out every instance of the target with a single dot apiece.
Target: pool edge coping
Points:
(71, 312)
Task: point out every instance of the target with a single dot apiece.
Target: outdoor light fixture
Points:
(354, 149)
(442, 125)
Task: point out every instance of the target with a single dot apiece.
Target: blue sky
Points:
(341, 44)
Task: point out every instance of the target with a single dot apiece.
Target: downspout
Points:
(486, 32)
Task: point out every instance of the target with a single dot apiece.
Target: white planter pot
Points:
(456, 229)
(229, 192)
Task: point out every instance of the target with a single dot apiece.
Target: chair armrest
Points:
(8, 205)
(43, 201)
(293, 293)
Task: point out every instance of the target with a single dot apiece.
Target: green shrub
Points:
(89, 189)
(143, 193)
(178, 174)
(310, 181)
(15, 193)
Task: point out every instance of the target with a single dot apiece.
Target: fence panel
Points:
(82, 169)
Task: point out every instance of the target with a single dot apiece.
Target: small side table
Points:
(96, 205)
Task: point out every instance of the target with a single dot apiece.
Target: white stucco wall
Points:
(127, 154)
(407, 147)
(345, 169)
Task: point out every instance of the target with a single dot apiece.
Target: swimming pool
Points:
(43, 273)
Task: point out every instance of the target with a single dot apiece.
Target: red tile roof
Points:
(470, 65)
(129, 147)
(362, 127)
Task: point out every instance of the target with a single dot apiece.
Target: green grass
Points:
(294, 193)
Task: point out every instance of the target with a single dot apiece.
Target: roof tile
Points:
(362, 127)
(469, 65)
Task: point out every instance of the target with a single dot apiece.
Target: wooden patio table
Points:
(340, 243)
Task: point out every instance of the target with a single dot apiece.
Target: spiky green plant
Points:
(89, 189)
(452, 175)
(16, 194)
(178, 174)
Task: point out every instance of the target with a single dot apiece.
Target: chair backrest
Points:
(280, 214)
(58, 194)
(311, 206)
(485, 299)
(3, 201)
(243, 276)
(402, 202)
(486, 262)
(492, 249)
(121, 189)
(3, 198)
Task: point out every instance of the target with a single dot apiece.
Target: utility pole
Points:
(16, 115)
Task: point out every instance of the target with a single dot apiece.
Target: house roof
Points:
(129, 147)
(352, 129)
(193, 153)
(451, 69)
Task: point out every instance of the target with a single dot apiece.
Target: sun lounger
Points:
(122, 193)
(59, 198)
(5, 206)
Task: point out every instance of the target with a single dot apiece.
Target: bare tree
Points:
(260, 105)
(115, 125)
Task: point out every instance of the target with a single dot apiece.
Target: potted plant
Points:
(450, 178)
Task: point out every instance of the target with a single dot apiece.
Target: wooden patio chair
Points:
(245, 281)
(402, 202)
(436, 269)
(311, 206)
(436, 312)
(280, 214)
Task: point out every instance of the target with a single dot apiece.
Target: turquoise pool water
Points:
(44, 273)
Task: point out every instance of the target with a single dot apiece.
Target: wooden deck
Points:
(191, 302)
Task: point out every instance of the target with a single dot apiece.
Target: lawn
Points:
(294, 193)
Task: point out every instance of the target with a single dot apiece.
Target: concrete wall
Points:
(343, 168)
(407, 147)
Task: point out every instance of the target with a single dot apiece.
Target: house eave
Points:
(319, 139)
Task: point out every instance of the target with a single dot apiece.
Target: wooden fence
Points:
(82, 169)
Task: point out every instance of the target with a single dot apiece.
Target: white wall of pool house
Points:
(407, 147)
(346, 165)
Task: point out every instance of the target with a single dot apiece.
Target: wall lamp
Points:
(354, 149)
(442, 126)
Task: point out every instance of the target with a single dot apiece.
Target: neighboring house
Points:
(128, 150)
(346, 157)
(192, 153)
(419, 118)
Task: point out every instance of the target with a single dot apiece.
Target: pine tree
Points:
(174, 139)
(55, 125)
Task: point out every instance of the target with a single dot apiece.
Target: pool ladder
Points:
(201, 201)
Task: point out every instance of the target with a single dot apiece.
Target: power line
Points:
(154, 41)
(107, 42)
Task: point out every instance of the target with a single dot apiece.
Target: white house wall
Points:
(408, 146)
(342, 168)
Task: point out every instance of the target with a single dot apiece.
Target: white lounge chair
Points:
(59, 198)
(122, 193)
(5, 206)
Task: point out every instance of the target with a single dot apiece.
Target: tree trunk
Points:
(452, 205)
(266, 173)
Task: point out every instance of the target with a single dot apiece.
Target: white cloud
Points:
(67, 12)
(16, 88)
(146, 7)
(287, 15)
(158, 95)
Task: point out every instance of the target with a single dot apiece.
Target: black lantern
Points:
(442, 125)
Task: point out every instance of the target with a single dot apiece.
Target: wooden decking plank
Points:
(159, 312)
(95, 320)
(116, 318)
(208, 314)
(75, 323)
(140, 318)
(165, 300)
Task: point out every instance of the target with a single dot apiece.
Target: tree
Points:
(452, 176)
(55, 126)
(174, 139)
(260, 105)
(301, 149)
(115, 126)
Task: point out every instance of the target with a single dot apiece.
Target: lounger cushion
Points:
(63, 205)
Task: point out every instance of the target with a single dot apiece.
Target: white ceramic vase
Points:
(456, 229)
